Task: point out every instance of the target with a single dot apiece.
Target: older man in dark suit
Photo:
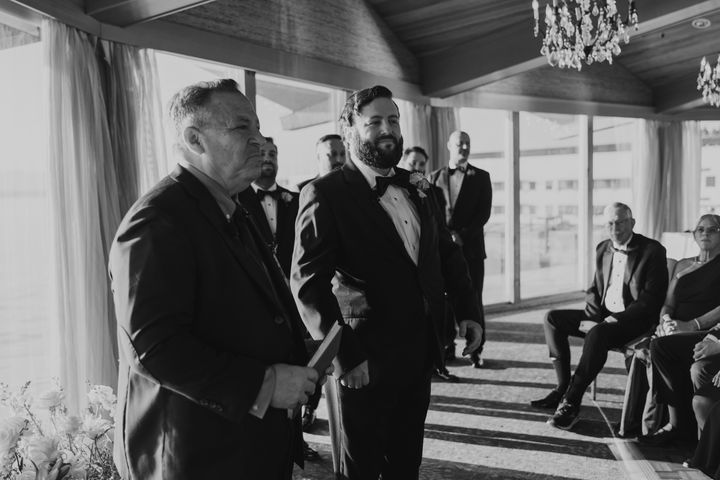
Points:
(622, 303)
(468, 201)
(370, 250)
(210, 339)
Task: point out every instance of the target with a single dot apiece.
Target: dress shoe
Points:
(309, 453)
(551, 401)
(566, 416)
(663, 437)
(477, 361)
(443, 374)
(308, 419)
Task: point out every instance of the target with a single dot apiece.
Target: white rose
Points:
(95, 426)
(102, 395)
(10, 432)
(51, 399)
(43, 449)
(69, 425)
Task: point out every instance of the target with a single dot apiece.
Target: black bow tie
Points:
(382, 183)
(461, 168)
(617, 250)
(267, 193)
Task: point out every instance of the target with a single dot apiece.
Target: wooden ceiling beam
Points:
(123, 13)
(678, 96)
(514, 50)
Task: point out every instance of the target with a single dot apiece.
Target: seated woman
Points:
(682, 361)
(706, 456)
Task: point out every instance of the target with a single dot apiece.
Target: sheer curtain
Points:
(443, 121)
(666, 176)
(415, 122)
(105, 147)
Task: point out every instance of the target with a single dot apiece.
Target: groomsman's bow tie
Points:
(617, 250)
(462, 168)
(382, 183)
(265, 193)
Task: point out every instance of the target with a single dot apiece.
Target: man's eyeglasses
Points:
(708, 230)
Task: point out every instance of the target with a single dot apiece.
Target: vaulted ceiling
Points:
(455, 52)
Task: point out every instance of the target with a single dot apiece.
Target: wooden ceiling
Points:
(447, 52)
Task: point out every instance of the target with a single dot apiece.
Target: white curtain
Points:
(443, 121)
(105, 147)
(691, 174)
(415, 124)
(666, 176)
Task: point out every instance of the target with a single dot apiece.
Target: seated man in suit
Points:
(274, 209)
(622, 303)
(415, 160)
(468, 200)
(210, 338)
(330, 154)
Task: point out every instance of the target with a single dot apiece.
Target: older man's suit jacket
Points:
(472, 207)
(283, 241)
(199, 320)
(350, 264)
(644, 285)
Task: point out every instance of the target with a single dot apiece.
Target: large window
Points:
(549, 146)
(487, 130)
(613, 140)
(710, 165)
(28, 338)
(296, 114)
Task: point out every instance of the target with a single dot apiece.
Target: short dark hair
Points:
(190, 102)
(359, 99)
(327, 138)
(415, 149)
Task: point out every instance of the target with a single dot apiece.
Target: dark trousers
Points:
(706, 456)
(677, 376)
(560, 325)
(476, 267)
(382, 429)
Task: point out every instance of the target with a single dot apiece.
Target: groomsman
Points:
(273, 207)
(468, 201)
(371, 253)
(330, 154)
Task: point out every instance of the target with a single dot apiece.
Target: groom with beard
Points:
(371, 253)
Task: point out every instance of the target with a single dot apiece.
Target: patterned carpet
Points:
(484, 427)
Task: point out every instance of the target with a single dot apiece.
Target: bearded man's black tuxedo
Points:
(284, 239)
(350, 264)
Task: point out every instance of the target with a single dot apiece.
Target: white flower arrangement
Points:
(41, 441)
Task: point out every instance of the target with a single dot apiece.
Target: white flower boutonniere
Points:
(469, 172)
(286, 197)
(419, 181)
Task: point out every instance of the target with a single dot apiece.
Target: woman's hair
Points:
(708, 216)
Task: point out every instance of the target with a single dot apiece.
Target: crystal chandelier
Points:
(708, 82)
(583, 30)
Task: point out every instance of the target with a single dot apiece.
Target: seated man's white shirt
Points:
(614, 295)
(396, 202)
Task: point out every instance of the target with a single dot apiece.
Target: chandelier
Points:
(583, 30)
(708, 82)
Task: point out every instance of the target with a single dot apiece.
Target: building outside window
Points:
(710, 165)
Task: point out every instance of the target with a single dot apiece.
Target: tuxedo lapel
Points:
(368, 202)
(250, 201)
(443, 182)
(421, 204)
(228, 232)
(606, 266)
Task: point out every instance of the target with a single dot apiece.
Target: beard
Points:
(371, 155)
(267, 170)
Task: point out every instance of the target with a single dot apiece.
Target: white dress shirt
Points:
(613, 297)
(455, 182)
(269, 205)
(396, 202)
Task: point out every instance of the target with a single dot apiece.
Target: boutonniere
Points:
(469, 172)
(421, 183)
(286, 197)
